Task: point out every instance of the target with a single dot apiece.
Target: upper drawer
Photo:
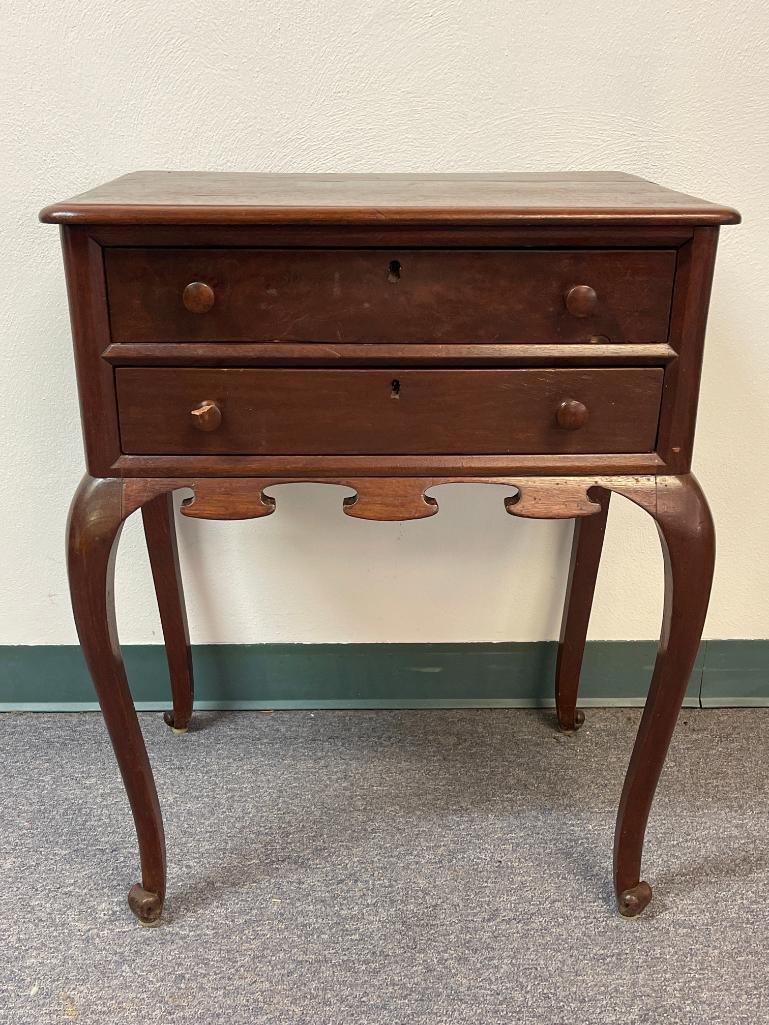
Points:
(370, 295)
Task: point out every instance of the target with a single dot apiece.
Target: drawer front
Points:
(203, 411)
(365, 295)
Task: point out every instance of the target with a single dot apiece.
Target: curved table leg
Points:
(586, 547)
(95, 521)
(160, 533)
(688, 543)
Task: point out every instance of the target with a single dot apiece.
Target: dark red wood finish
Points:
(396, 412)
(400, 296)
(390, 334)
(95, 522)
(160, 533)
(586, 548)
(591, 198)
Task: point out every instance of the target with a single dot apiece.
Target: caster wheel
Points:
(632, 902)
(147, 906)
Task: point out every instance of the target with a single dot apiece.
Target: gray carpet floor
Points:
(432, 867)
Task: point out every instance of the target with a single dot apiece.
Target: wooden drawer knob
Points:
(207, 416)
(571, 415)
(581, 300)
(198, 297)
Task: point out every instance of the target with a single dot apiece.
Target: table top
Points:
(223, 198)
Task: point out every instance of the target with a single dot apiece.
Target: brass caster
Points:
(147, 906)
(632, 902)
(168, 719)
(568, 728)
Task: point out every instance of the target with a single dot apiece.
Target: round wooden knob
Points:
(571, 415)
(207, 416)
(580, 300)
(198, 297)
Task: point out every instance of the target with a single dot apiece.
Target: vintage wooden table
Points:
(389, 333)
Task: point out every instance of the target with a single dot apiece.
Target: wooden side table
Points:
(390, 333)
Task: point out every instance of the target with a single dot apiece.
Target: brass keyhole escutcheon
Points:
(394, 271)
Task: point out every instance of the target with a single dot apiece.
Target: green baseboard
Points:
(54, 677)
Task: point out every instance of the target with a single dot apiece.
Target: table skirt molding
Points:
(396, 498)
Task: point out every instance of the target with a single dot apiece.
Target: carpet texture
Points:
(425, 867)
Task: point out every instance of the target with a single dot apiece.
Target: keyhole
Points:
(394, 271)
(395, 389)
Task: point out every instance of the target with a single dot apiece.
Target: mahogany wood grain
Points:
(572, 415)
(687, 536)
(581, 300)
(694, 277)
(353, 296)
(545, 498)
(206, 416)
(390, 335)
(676, 503)
(198, 297)
(379, 498)
(95, 522)
(160, 534)
(571, 197)
(371, 501)
(586, 548)
(547, 466)
(387, 412)
(89, 317)
(638, 234)
(317, 354)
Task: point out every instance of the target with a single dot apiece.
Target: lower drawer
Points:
(202, 411)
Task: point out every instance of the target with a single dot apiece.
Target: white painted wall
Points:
(674, 90)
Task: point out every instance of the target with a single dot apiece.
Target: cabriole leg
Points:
(586, 547)
(160, 533)
(95, 522)
(688, 544)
